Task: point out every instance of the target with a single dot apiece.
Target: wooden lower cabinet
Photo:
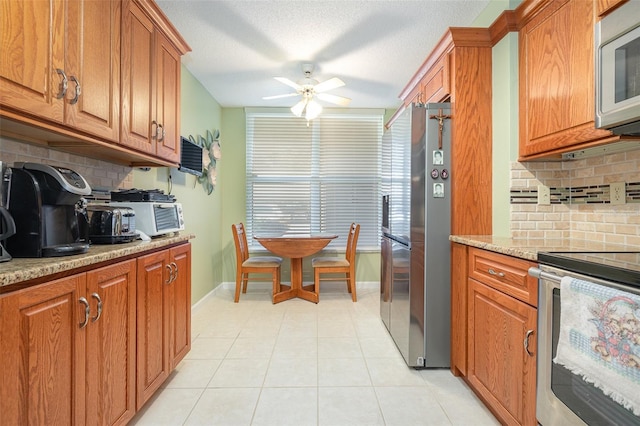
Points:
(67, 350)
(499, 367)
(91, 348)
(163, 316)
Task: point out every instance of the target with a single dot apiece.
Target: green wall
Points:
(505, 114)
(202, 213)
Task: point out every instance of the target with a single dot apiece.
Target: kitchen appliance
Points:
(7, 225)
(48, 209)
(564, 396)
(110, 224)
(416, 223)
(155, 218)
(617, 50)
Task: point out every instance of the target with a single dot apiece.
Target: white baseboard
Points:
(263, 285)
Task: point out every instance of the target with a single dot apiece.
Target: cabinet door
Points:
(32, 34)
(180, 304)
(138, 79)
(111, 344)
(499, 367)
(92, 63)
(153, 364)
(168, 99)
(42, 354)
(557, 78)
(459, 309)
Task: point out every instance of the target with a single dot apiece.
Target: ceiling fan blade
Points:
(288, 82)
(288, 95)
(332, 83)
(339, 100)
(299, 107)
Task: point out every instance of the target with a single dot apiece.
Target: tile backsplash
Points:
(580, 199)
(99, 174)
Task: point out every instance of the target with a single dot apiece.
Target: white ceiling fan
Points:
(309, 88)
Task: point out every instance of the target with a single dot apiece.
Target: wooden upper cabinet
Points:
(556, 74)
(150, 85)
(32, 53)
(434, 86)
(61, 62)
(92, 64)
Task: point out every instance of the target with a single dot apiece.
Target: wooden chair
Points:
(339, 265)
(254, 265)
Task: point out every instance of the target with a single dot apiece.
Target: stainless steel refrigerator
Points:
(416, 222)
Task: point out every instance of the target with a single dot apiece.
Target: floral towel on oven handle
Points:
(600, 338)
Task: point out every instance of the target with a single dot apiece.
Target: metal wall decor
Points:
(211, 154)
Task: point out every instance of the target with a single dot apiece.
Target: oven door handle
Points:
(540, 274)
(526, 342)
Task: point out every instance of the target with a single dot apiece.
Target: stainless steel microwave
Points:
(617, 55)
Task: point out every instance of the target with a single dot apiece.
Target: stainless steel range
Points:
(589, 338)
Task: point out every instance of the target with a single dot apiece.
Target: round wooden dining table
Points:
(295, 247)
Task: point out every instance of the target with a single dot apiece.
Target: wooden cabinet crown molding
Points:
(454, 37)
(162, 22)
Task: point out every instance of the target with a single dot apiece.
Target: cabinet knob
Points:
(154, 132)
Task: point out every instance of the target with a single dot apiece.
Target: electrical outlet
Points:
(617, 193)
(544, 195)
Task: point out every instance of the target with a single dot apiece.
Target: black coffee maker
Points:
(7, 225)
(48, 209)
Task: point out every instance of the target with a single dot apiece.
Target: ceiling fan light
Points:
(298, 108)
(313, 110)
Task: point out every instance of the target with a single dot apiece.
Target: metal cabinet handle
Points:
(526, 342)
(168, 281)
(175, 273)
(99, 313)
(63, 84)
(499, 274)
(87, 311)
(160, 132)
(154, 133)
(78, 90)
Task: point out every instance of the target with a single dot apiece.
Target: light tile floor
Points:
(298, 363)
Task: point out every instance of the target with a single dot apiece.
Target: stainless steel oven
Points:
(563, 396)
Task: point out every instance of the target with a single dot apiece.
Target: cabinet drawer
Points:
(504, 273)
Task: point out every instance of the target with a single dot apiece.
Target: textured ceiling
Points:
(374, 46)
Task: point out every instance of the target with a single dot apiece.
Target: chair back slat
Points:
(240, 240)
(352, 242)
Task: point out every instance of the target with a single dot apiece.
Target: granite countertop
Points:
(24, 269)
(529, 248)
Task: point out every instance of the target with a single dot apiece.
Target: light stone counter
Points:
(529, 248)
(23, 269)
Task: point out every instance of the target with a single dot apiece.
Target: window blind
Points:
(315, 178)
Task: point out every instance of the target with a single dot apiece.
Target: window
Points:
(315, 178)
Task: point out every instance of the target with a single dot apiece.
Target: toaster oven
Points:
(155, 218)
